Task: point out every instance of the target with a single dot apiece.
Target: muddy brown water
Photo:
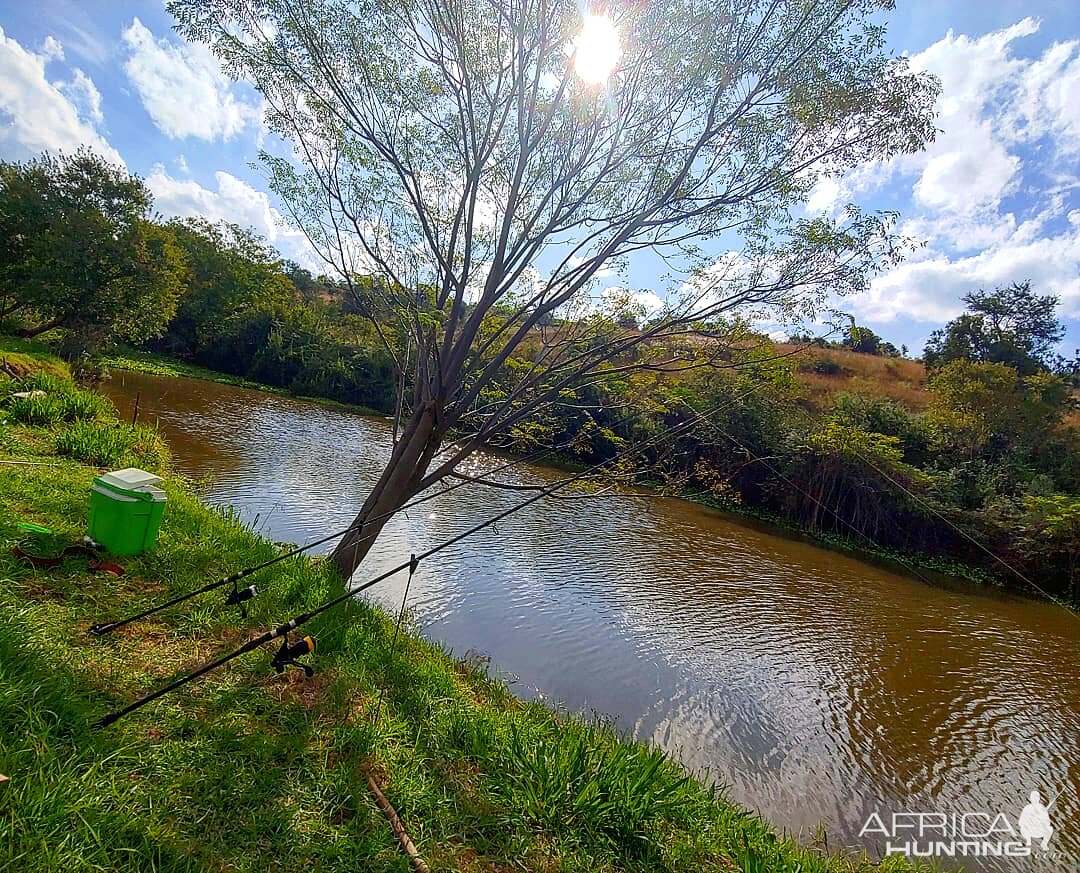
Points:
(818, 688)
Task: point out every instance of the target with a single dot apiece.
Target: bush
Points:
(1048, 539)
(822, 367)
(113, 444)
(878, 415)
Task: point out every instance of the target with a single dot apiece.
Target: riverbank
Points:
(247, 766)
(158, 365)
(923, 566)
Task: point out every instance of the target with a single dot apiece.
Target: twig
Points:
(395, 823)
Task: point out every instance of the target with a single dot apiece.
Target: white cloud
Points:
(967, 175)
(930, 288)
(995, 197)
(51, 49)
(234, 201)
(83, 41)
(40, 116)
(183, 89)
(825, 196)
(970, 167)
(84, 94)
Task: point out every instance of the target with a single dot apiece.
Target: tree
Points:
(862, 340)
(1012, 326)
(234, 286)
(473, 156)
(984, 407)
(80, 252)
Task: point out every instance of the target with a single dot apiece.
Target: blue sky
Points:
(996, 199)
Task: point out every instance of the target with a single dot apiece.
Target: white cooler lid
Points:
(130, 479)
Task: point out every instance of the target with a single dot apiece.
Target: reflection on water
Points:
(817, 687)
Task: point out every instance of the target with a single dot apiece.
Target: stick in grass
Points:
(395, 823)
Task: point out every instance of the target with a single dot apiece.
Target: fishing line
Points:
(755, 459)
(925, 504)
(289, 651)
(910, 494)
(413, 563)
(239, 596)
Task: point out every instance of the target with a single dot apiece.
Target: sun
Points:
(596, 49)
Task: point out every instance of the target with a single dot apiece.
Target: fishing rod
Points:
(240, 596)
(289, 652)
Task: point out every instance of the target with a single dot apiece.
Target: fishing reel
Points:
(288, 653)
(240, 596)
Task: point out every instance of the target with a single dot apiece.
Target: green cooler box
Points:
(125, 511)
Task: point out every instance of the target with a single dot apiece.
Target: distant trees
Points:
(1011, 325)
(233, 280)
(866, 342)
(82, 257)
(80, 252)
(246, 312)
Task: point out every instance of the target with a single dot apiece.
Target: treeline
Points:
(989, 470)
(86, 258)
(991, 461)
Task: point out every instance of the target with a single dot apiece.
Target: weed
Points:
(52, 399)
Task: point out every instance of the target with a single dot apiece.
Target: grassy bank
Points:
(248, 770)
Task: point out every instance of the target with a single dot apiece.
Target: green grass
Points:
(113, 444)
(18, 357)
(247, 770)
(52, 400)
(82, 425)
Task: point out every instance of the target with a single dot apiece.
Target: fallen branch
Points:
(395, 823)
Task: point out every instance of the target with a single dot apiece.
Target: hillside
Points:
(825, 372)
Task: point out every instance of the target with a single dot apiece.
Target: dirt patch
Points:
(16, 365)
(293, 686)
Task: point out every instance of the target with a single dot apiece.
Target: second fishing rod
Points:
(240, 596)
(290, 651)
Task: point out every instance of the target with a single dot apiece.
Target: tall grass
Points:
(588, 782)
(60, 401)
(84, 424)
(113, 444)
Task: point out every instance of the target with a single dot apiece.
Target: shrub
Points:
(113, 444)
(1049, 540)
(822, 367)
(878, 415)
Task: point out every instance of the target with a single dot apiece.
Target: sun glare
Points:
(596, 50)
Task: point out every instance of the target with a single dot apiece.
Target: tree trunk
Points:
(31, 332)
(397, 484)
